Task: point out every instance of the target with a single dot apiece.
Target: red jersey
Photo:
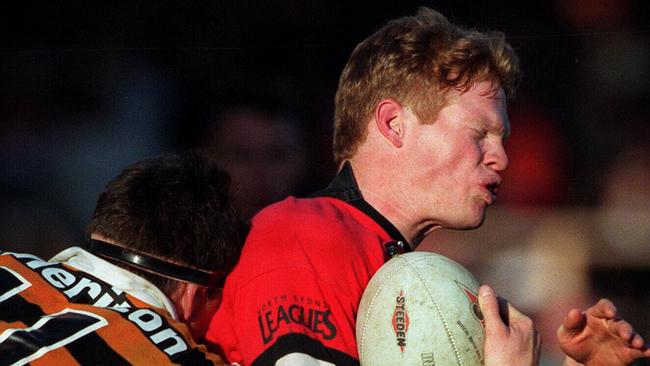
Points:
(293, 297)
(55, 314)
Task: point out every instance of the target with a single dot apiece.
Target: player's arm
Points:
(597, 336)
(283, 318)
(510, 338)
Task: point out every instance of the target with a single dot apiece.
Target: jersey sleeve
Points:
(286, 316)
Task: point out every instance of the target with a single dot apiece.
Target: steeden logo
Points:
(473, 301)
(400, 320)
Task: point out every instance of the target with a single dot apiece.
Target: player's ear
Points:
(195, 306)
(184, 298)
(388, 119)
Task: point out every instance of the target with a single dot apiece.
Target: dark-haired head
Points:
(175, 208)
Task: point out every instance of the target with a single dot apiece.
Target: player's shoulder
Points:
(315, 225)
(307, 212)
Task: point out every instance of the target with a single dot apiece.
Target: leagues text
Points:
(317, 321)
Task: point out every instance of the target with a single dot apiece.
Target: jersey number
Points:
(19, 346)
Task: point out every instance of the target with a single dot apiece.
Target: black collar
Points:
(344, 187)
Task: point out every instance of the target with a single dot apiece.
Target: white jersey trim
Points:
(117, 277)
(300, 359)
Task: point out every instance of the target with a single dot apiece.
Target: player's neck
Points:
(384, 194)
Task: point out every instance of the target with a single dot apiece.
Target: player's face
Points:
(454, 161)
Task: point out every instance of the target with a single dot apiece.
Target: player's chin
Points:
(473, 220)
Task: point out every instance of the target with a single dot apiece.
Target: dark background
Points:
(136, 78)
(88, 87)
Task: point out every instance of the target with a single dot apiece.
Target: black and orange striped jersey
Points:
(54, 314)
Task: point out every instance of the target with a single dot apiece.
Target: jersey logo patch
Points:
(291, 311)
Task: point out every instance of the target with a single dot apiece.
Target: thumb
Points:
(574, 321)
(490, 309)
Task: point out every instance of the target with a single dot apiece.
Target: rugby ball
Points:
(420, 308)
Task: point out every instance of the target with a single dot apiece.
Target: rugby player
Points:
(143, 288)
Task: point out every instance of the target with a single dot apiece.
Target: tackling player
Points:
(143, 286)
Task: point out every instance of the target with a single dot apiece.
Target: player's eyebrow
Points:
(497, 96)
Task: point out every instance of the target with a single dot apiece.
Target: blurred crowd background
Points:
(87, 88)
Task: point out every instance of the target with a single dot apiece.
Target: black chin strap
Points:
(157, 266)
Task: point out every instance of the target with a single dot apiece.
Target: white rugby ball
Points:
(420, 308)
